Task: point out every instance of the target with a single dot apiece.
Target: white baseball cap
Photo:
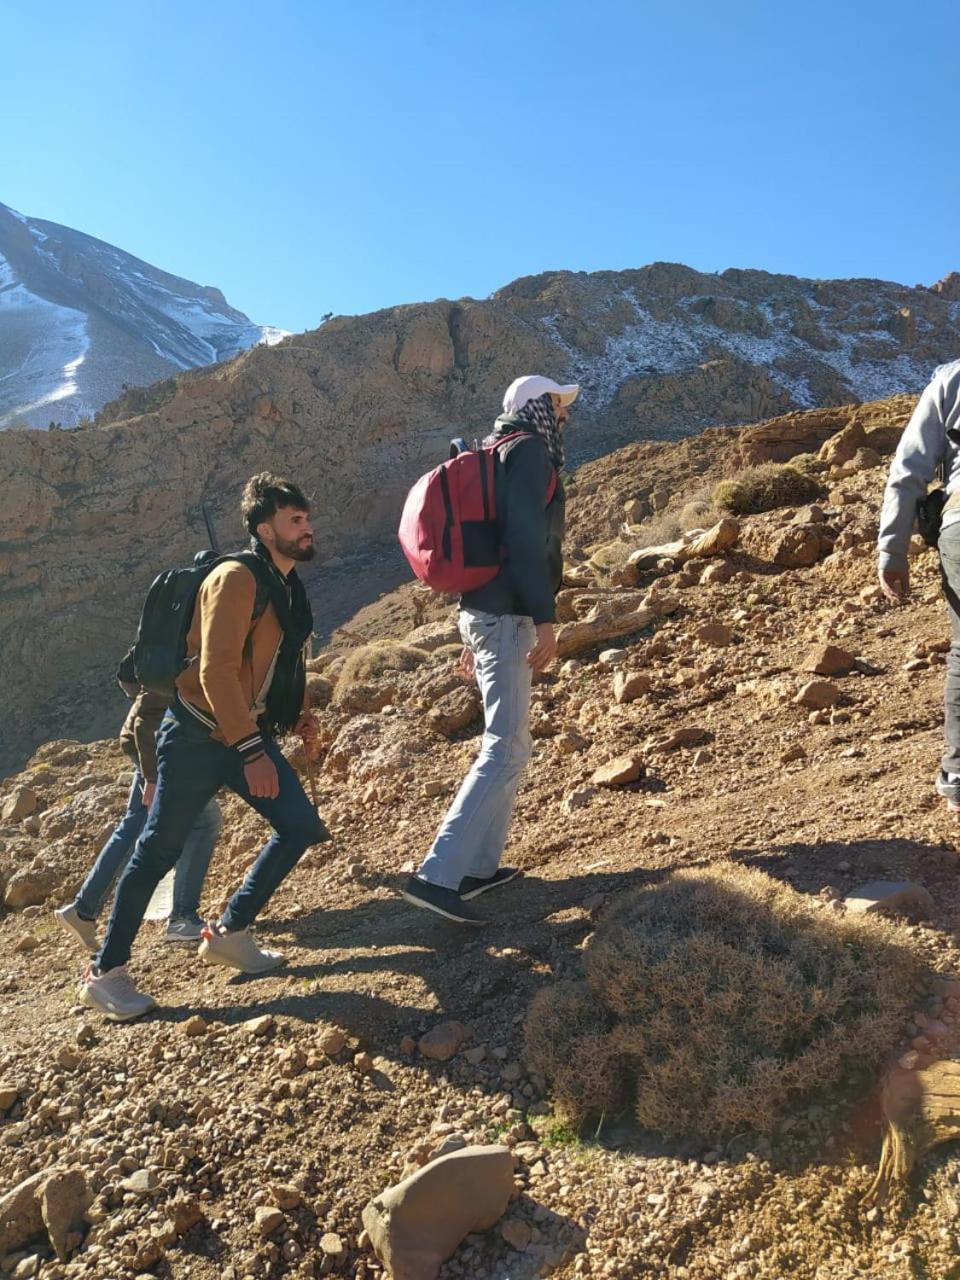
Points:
(534, 385)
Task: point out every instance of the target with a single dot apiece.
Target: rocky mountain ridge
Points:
(358, 408)
(743, 697)
(80, 320)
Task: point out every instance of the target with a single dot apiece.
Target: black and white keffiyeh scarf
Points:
(539, 417)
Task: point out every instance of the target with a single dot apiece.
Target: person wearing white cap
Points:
(508, 635)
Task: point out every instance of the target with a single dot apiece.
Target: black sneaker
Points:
(445, 902)
(950, 791)
(473, 886)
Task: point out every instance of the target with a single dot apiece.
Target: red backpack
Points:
(448, 530)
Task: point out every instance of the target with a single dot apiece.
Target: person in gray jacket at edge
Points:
(931, 439)
(508, 636)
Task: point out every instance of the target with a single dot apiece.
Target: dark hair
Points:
(264, 495)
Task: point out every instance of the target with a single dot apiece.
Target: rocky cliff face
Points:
(356, 409)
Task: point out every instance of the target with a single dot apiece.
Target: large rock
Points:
(31, 886)
(434, 635)
(630, 685)
(619, 772)
(891, 897)
(721, 538)
(818, 695)
(455, 710)
(610, 619)
(20, 1215)
(828, 660)
(64, 1200)
(417, 1224)
(19, 805)
(844, 445)
(442, 1041)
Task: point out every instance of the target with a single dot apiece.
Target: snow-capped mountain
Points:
(80, 320)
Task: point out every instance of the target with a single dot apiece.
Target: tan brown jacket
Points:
(230, 656)
(138, 737)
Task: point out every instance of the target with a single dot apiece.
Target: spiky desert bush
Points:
(698, 513)
(370, 661)
(725, 994)
(610, 555)
(808, 463)
(765, 488)
(568, 1042)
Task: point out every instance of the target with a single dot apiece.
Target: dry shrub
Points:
(808, 463)
(727, 994)
(568, 1041)
(765, 488)
(371, 661)
(699, 513)
(610, 555)
(660, 529)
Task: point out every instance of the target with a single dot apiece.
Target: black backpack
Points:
(160, 650)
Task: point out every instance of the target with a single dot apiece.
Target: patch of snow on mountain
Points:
(46, 344)
(652, 347)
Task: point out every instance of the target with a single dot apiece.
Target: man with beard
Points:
(244, 684)
(508, 635)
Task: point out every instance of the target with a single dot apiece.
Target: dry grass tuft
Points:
(765, 488)
(725, 994)
(809, 464)
(370, 661)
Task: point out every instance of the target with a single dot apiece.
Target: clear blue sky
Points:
(307, 156)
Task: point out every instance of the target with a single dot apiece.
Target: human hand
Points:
(895, 584)
(467, 666)
(545, 650)
(149, 791)
(261, 776)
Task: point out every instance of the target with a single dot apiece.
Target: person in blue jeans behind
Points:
(243, 686)
(138, 741)
(508, 636)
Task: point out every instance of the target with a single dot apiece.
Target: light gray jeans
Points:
(473, 832)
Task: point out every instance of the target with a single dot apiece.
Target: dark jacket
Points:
(531, 535)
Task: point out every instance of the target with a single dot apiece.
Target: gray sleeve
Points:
(920, 452)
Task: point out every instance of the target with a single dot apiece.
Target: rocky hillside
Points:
(80, 320)
(357, 409)
(740, 696)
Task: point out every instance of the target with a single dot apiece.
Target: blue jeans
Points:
(474, 831)
(191, 768)
(112, 858)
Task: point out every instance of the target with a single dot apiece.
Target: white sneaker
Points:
(237, 950)
(114, 995)
(82, 931)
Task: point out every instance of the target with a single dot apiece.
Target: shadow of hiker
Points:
(417, 969)
(843, 864)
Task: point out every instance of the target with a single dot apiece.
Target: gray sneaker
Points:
(237, 950)
(114, 995)
(184, 930)
(82, 931)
